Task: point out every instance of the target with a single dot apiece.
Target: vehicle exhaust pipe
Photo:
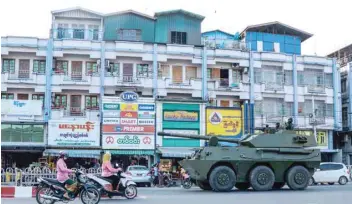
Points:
(50, 197)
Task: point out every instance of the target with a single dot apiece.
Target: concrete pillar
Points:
(102, 77)
(330, 139)
(204, 74)
(155, 71)
(251, 107)
(48, 71)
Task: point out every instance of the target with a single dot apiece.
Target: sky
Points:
(328, 21)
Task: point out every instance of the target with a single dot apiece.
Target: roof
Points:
(217, 30)
(193, 15)
(347, 48)
(285, 29)
(76, 8)
(130, 11)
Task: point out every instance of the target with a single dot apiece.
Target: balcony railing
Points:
(77, 33)
(316, 88)
(224, 82)
(273, 86)
(74, 111)
(21, 75)
(225, 44)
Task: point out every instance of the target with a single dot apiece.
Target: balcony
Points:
(75, 78)
(273, 86)
(72, 113)
(225, 44)
(116, 80)
(23, 78)
(316, 88)
(77, 34)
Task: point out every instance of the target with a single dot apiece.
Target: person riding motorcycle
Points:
(108, 171)
(62, 174)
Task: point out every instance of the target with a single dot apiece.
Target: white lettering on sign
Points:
(111, 121)
(128, 121)
(145, 121)
(133, 129)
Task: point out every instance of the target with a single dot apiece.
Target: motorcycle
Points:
(51, 190)
(126, 187)
(186, 181)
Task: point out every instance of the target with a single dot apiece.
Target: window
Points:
(273, 107)
(38, 97)
(345, 117)
(22, 133)
(236, 76)
(300, 78)
(92, 69)
(288, 109)
(209, 73)
(191, 73)
(178, 37)
(288, 78)
(257, 76)
(92, 103)
(164, 71)
(144, 70)
(9, 96)
(129, 34)
(328, 80)
(258, 108)
(113, 69)
(60, 101)
(61, 67)
(224, 103)
(93, 32)
(127, 72)
(22, 96)
(177, 74)
(78, 31)
(236, 104)
(343, 86)
(8, 65)
(39, 66)
(329, 110)
(62, 31)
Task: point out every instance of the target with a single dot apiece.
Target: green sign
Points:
(128, 140)
(111, 106)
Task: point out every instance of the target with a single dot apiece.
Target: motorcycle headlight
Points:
(82, 178)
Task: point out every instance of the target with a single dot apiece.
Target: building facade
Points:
(83, 71)
(343, 139)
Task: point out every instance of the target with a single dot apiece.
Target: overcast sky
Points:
(328, 21)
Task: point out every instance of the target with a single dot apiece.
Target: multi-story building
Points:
(124, 69)
(343, 139)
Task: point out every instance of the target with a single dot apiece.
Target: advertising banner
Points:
(21, 107)
(322, 136)
(185, 116)
(224, 122)
(128, 141)
(74, 133)
(146, 129)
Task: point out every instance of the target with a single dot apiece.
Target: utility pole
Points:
(314, 121)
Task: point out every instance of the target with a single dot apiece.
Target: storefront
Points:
(224, 122)
(183, 118)
(80, 139)
(22, 133)
(129, 129)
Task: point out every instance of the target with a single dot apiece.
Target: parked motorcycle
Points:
(51, 191)
(186, 181)
(126, 187)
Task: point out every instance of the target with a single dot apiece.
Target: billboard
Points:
(21, 107)
(122, 141)
(224, 121)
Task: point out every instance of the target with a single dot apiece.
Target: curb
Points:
(17, 192)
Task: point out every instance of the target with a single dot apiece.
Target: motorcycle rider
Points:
(62, 174)
(108, 170)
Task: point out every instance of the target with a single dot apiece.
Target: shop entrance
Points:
(19, 159)
(127, 160)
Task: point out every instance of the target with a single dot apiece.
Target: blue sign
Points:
(146, 107)
(129, 96)
(18, 104)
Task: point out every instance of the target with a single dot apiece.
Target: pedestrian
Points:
(156, 175)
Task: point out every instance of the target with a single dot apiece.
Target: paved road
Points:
(313, 195)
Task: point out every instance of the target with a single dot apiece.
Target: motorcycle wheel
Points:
(47, 191)
(130, 191)
(187, 184)
(90, 196)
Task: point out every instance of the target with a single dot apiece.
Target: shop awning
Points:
(179, 152)
(130, 152)
(76, 153)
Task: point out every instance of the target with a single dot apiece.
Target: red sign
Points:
(128, 114)
(107, 128)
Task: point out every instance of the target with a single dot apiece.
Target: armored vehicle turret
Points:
(264, 162)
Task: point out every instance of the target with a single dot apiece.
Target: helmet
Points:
(63, 154)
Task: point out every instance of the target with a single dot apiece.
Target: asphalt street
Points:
(320, 194)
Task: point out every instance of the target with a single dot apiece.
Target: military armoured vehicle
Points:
(264, 162)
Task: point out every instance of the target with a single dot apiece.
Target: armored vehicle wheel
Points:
(222, 179)
(204, 186)
(278, 185)
(242, 186)
(297, 178)
(262, 178)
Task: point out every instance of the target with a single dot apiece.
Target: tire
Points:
(242, 186)
(37, 195)
(204, 186)
(262, 178)
(222, 179)
(311, 182)
(278, 185)
(130, 192)
(149, 185)
(297, 178)
(343, 180)
(331, 183)
(85, 193)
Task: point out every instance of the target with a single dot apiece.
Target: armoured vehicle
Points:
(264, 161)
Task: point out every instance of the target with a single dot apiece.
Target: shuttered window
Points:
(191, 73)
(164, 70)
(177, 74)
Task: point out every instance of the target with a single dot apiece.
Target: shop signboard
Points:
(21, 107)
(184, 116)
(180, 131)
(113, 121)
(129, 96)
(133, 129)
(322, 137)
(224, 122)
(74, 133)
(123, 141)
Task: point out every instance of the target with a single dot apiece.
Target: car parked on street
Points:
(140, 174)
(331, 173)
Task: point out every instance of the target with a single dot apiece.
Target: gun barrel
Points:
(202, 137)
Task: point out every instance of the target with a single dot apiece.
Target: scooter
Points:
(186, 181)
(126, 187)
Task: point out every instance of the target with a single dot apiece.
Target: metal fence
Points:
(29, 176)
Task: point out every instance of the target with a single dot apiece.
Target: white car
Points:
(331, 173)
(139, 174)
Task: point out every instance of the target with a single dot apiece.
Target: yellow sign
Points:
(224, 122)
(129, 107)
(322, 138)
